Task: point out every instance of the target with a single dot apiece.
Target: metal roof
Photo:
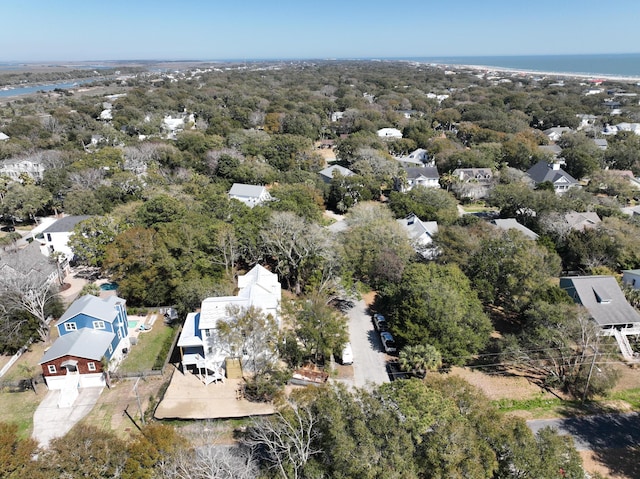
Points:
(103, 309)
(249, 191)
(86, 343)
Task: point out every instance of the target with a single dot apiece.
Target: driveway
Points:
(369, 361)
(592, 433)
(50, 421)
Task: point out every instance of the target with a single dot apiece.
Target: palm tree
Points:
(419, 359)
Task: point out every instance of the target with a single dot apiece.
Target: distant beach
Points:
(613, 67)
(536, 73)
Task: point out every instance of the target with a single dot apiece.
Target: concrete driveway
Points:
(369, 361)
(50, 421)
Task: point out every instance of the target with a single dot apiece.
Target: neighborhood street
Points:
(369, 361)
(592, 433)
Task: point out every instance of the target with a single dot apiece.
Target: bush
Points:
(265, 387)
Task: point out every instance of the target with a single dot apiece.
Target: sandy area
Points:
(187, 397)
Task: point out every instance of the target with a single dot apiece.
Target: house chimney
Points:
(555, 166)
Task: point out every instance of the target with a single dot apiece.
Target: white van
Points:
(347, 354)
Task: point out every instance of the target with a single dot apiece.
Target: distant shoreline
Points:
(585, 76)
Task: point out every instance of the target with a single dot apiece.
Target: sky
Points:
(95, 30)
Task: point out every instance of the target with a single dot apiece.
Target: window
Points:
(91, 366)
(48, 237)
(119, 334)
(110, 349)
(52, 368)
(70, 327)
(98, 325)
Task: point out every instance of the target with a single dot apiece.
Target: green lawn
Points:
(151, 344)
(477, 208)
(18, 408)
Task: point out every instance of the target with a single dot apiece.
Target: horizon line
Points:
(310, 58)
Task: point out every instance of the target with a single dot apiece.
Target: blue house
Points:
(93, 332)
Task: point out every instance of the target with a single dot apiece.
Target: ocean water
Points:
(617, 65)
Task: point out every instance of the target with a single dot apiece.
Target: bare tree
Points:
(296, 246)
(31, 294)
(249, 333)
(227, 248)
(89, 178)
(208, 459)
(286, 440)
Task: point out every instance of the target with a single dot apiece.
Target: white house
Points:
(555, 133)
(426, 176)
(421, 235)
(543, 172)
(418, 157)
(14, 167)
(200, 345)
(55, 238)
(250, 195)
(389, 133)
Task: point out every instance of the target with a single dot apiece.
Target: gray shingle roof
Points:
(65, 224)
(541, 172)
(328, 171)
(426, 171)
(28, 261)
(602, 297)
(85, 343)
(512, 224)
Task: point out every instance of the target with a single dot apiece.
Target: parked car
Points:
(380, 323)
(8, 228)
(347, 354)
(395, 371)
(388, 343)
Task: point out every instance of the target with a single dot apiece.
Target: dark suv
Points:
(380, 323)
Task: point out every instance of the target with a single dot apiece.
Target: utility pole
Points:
(586, 387)
(135, 389)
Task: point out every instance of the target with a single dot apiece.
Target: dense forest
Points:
(163, 227)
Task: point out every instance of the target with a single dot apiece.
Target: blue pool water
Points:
(132, 324)
(109, 286)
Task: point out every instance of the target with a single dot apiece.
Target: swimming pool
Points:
(132, 324)
(109, 286)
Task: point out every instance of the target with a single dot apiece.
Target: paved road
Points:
(606, 431)
(369, 361)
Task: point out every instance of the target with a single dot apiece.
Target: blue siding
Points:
(83, 321)
(122, 321)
